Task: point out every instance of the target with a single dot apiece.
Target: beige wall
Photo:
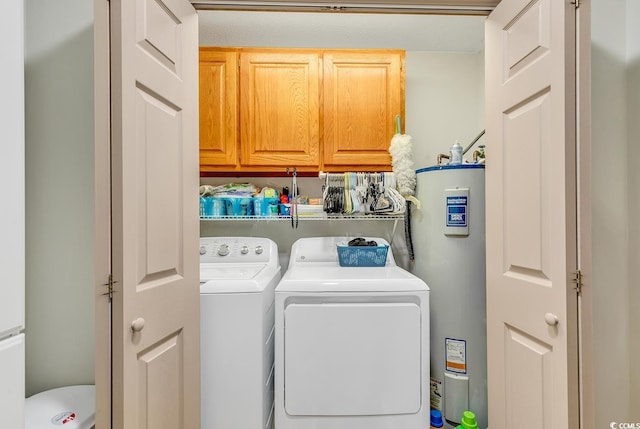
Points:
(614, 200)
(633, 99)
(59, 195)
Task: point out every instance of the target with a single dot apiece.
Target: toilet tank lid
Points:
(71, 407)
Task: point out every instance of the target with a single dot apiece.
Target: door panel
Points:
(363, 92)
(280, 110)
(352, 359)
(218, 109)
(525, 351)
(154, 99)
(531, 215)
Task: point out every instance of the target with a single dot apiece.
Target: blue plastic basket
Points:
(362, 256)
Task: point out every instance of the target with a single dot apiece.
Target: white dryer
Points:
(352, 343)
(238, 276)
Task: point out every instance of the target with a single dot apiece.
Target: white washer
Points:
(352, 344)
(238, 277)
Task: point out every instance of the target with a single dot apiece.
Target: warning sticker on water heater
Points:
(456, 355)
(436, 394)
(457, 214)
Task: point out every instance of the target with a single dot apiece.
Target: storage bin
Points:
(237, 206)
(211, 207)
(362, 256)
(270, 208)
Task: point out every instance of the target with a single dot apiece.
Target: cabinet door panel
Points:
(218, 109)
(363, 92)
(279, 107)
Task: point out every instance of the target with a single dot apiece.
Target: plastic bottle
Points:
(436, 420)
(456, 154)
(284, 196)
(468, 421)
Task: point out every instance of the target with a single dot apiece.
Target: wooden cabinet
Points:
(280, 109)
(313, 109)
(363, 92)
(218, 109)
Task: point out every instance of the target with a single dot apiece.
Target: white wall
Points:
(444, 102)
(59, 181)
(611, 207)
(633, 99)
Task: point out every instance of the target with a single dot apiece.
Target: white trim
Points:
(468, 7)
(102, 165)
(583, 138)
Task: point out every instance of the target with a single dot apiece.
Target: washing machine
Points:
(238, 276)
(352, 343)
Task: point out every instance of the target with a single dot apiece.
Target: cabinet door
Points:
(218, 109)
(279, 107)
(363, 92)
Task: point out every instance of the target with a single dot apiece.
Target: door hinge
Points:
(576, 3)
(109, 286)
(577, 279)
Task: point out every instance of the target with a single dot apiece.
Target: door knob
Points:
(137, 325)
(551, 319)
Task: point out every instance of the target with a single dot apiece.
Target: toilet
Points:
(71, 407)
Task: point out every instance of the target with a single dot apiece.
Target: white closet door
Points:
(532, 336)
(155, 225)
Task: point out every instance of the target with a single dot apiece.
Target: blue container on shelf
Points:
(219, 208)
(258, 206)
(239, 206)
(211, 207)
(285, 209)
(206, 207)
(271, 207)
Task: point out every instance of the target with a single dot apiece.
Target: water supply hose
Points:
(407, 231)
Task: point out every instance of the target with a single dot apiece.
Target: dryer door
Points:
(348, 359)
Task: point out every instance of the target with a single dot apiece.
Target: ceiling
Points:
(412, 32)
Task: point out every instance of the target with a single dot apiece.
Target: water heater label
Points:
(456, 355)
(457, 211)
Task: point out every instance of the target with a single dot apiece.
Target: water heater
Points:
(449, 247)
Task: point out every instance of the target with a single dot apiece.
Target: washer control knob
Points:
(203, 250)
(223, 250)
(259, 249)
(244, 250)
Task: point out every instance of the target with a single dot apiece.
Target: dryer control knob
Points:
(223, 250)
(244, 250)
(203, 250)
(258, 249)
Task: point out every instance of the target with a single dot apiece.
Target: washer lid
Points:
(331, 277)
(229, 271)
(239, 278)
(71, 407)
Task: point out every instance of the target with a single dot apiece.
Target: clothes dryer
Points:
(238, 276)
(352, 343)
